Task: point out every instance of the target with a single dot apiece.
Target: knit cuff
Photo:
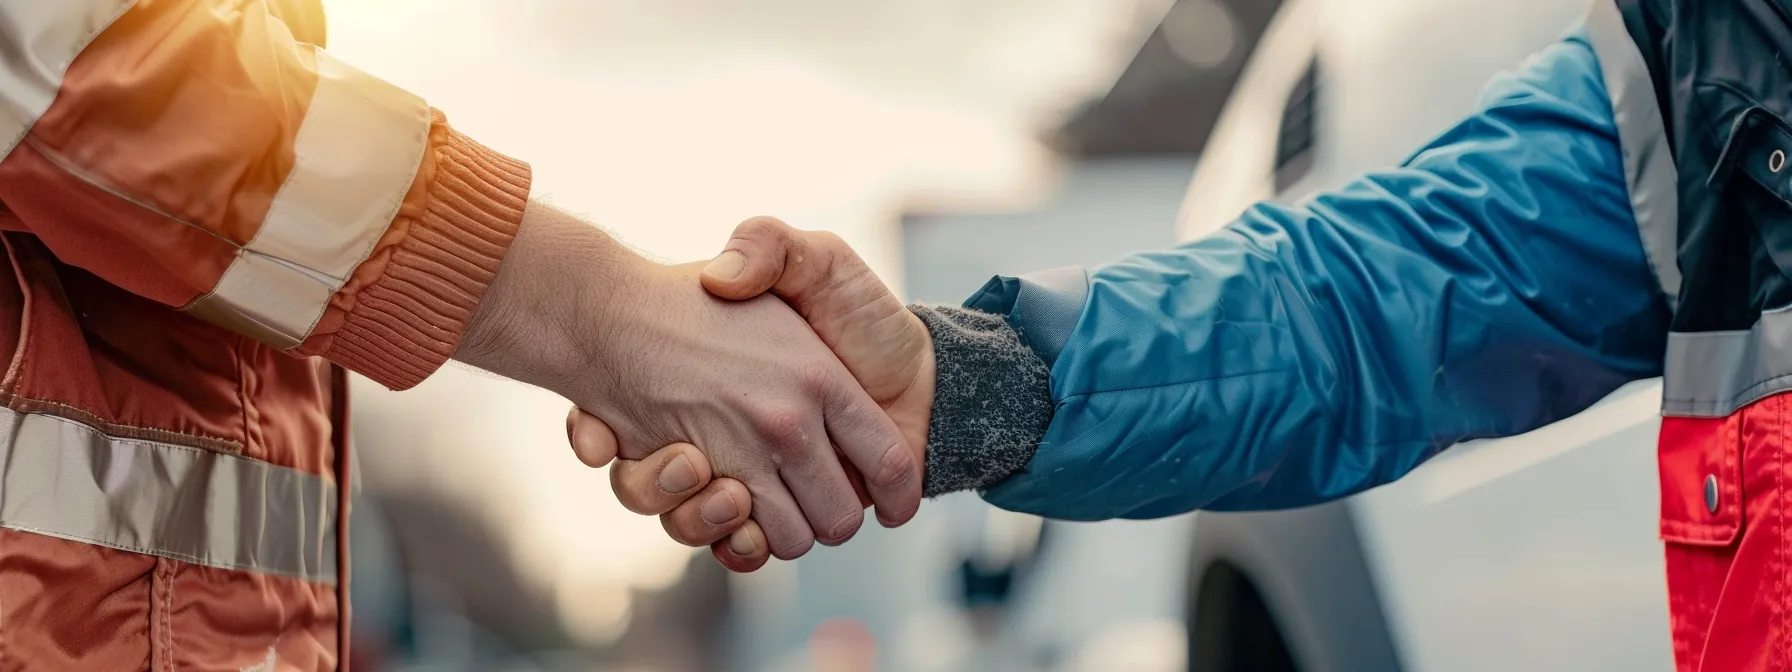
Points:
(407, 320)
(991, 405)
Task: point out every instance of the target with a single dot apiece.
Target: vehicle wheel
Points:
(1230, 628)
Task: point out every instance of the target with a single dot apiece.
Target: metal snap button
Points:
(1711, 493)
(1776, 161)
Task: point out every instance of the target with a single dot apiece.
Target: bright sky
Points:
(668, 121)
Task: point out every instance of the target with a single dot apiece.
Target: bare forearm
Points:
(561, 290)
(640, 346)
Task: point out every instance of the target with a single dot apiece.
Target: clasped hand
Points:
(753, 424)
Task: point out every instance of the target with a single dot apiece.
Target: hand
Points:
(695, 512)
(642, 347)
(887, 349)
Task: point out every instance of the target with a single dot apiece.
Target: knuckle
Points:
(828, 241)
(815, 377)
(762, 227)
(785, 430)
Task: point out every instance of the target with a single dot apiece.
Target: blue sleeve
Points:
(1493, 283)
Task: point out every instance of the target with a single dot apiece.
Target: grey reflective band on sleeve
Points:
(39, 41)
(354, 158)
(1047, 308)
(1648, 160)
(65, 479)
(1711, 374)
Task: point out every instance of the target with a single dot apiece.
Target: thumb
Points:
(753, 261)
(591, 439)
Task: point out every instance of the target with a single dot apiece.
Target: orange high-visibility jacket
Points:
(206, 215)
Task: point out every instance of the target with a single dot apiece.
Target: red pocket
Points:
(1701, 480)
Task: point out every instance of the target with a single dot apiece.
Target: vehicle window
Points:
(1294, 140)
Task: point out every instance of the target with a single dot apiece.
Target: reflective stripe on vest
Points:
(1713, 373)
(65, 479)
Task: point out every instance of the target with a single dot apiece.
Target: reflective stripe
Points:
(38, 40)
(1713, 373)
(1648, 159)
(357, 153)
(65, 479)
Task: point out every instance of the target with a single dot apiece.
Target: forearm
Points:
(560, 292)
(1493, 284)
(309, 205)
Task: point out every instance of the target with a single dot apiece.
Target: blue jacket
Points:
(1493, 283)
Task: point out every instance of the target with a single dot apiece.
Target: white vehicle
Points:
(1537, 552)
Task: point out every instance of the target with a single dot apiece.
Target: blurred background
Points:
(949, 140)
(923, 132)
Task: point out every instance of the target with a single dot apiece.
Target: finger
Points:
(710, 516)
(787, 535)
(752, 261)
(875, 446)
(661, 481)
(810, 468)
(744, 550)
(826, 282)
(591, 439)
(857, 479)
(802, 267)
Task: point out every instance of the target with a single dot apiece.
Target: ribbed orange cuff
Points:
(405, 324)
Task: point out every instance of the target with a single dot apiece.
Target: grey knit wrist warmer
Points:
(991, 405)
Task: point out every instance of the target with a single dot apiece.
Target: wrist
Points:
(991, 401)
(561, 292)
(926, 384)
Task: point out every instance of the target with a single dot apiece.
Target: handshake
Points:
(754, 424)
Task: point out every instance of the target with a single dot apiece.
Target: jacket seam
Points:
(168, 613)
(23, 404)
(250, 438)
(1778, 637)
(68, 167)
(167, 555)
(26, 303)
(149, 443)
(1754, 392)
(1145, 388)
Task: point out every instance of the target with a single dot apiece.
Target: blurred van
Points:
(1536, 552)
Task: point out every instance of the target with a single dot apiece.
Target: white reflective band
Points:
(65, 479)
(357, 153)
(1648, 160)
(38, 41)
(1712, 374)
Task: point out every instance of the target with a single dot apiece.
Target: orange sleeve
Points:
(200, 154)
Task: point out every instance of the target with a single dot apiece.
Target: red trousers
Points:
(1725, 523)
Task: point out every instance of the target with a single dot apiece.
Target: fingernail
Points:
(720, 508)
(727, 266)
(741, 544)
(678, 476)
